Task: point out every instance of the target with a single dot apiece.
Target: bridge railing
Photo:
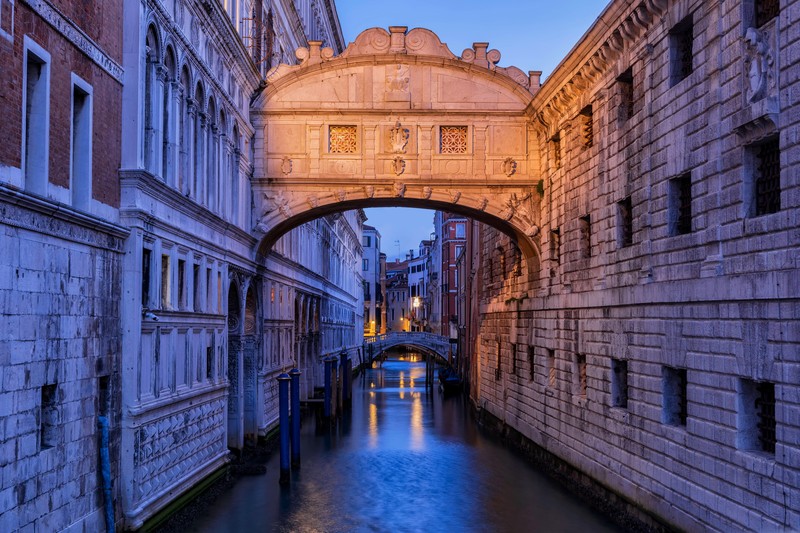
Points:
(408, 336)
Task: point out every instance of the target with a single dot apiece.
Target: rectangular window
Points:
(681, 42)
(367, 240)
(766, 10)
(555, 144)
(461, 231)
(756, 416)
(453, 140)
(680, 205)
(81, 145)
(36, 125)
(513, 359)
(585, 228)
(208, 291)
(587, 126)
(619, 383)
(196, 287)
(166, 286)
(342, 139)
(48, 417)
(674, 409)
(764, 181)
(624, 223)
(103, 396)
(625, 85)
(182, 283)
(551, 368)
(365, 264)
(146, 270)
(580, 375)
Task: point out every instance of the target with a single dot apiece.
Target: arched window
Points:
(212, 136)
(170, 105)
(198, 163)
(186, 134)
(235, 180)
(223, 166)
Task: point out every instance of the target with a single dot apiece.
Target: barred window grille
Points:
(680, 205)
(581, 363)
(619, 383)
(585, 225)
(768, 178)
(765, 407)
(531, 363)
(555, 246)
(625, 81)
(453, 139)
(625, 222)
(342, 139)
(766, 10)
(681, 50)
(675, 406)
(551, 370)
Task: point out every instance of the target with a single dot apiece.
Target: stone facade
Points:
(655, 346)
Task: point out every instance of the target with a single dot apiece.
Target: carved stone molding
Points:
(455, 196)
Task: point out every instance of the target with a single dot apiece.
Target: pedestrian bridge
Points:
(438, 345)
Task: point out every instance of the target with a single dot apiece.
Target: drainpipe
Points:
(105, 468)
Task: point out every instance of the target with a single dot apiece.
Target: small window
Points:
(209, 286)
(166, 286)
(367, 241)
(453, 139)
(461, 231)
(343, 139)
(580, 375)
(365, 264)
(756, 416)
(555, 146)
(681, 43)
(196, 287)
(765, 11)
(624, 222)
(680, 205)
(625, 85)
(585, 228)
(531, 363)
(764, 182)
(48, 417)
(182, 283)
(619, 383)
(674, 410)
(587, 126)
(146, 270)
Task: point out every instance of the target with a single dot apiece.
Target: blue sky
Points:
(531, 35)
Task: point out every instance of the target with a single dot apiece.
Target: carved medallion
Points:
(398, 165)
(286, 165)
(509, 166)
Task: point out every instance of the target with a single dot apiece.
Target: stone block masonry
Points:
(701, 301)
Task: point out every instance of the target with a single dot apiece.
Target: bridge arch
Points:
(397, 120)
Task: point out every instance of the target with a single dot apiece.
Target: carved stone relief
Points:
(286, 166)
(509, 166)
(759, 65)
(400, 190)
(455, 196)
(426, 192)
(399, 138)
(398, 165)
(369, 191)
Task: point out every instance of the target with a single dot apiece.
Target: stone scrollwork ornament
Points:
(398, 165)
(483, 203)
(509, 166)
(399, 138)
(759, 61)
(455, 196)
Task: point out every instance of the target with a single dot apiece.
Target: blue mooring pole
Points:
(345, 377)
(295, 375)
(326, 411)
(283, 399)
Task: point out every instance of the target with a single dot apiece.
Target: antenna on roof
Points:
(397, 244)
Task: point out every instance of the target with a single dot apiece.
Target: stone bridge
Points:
(426, 342)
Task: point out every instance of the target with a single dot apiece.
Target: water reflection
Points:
(408, 463)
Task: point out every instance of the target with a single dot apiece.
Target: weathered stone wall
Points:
(714, 302)
(60, 288)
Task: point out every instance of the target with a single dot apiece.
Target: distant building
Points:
(450, 239)
(371, 271)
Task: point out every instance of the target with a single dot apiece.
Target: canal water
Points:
(402, 460)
